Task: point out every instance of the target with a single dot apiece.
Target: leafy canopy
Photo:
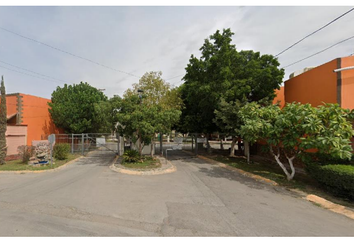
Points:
(223, 72)
(298, 128)
(72, 108)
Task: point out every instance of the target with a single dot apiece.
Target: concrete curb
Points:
(42, 171)
(158, 171)
(330, 206)
(309, 197)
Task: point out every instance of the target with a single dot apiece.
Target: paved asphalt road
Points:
(88, 199)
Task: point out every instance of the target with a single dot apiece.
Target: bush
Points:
(61, 151)
(25, 152)
(336, 178)
(131, 156)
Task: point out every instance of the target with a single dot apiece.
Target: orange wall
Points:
(280, 97)
(347, 76)
(11, 104)
(36, 116)
(315, 86)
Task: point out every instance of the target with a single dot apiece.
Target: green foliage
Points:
(61, 151)
(223, 72)
(73, 108)
(156, 92)
(25, 152)
(338, 179)
(131, 156)
(299, 127)
(106, 114)
(140, 118)
(3, 123)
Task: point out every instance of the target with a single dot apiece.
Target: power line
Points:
(319, 51)
(314, 32)
(33, 72)
(28, 74)
(66, 52)
(175, 77)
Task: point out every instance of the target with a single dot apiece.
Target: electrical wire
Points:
(315, 32)
(28, 74)
(66, 52)
(319, 51)
(32, 71)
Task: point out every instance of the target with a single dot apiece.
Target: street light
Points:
(343, 69)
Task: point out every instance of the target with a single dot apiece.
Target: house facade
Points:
(28, 119)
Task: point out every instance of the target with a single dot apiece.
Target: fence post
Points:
(192, 143)
(72, 143)
(161, 150)
(196, 144)
(82, 144)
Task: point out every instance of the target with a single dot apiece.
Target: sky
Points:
(111, 47)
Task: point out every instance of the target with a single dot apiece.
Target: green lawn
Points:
(147, 164)
(17, 165)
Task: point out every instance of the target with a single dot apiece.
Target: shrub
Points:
(25, 152)
(336, 178)
(131, 156)
(61, 151)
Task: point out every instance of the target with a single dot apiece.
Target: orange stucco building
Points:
(322, 84)
(28, 119)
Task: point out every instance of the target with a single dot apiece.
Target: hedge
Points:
(61, 151)
(336, 178)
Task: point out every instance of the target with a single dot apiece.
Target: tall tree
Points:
(155, 111)
(223, 72)
(72, 108)
(3, 123)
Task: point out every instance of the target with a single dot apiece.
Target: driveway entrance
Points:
(86, 198)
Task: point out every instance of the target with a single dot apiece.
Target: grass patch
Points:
(17, 165)
(149, 163)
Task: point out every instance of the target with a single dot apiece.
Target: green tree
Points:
(3, 123)
(72, 108)
(223, 72)
(228, 120)
(155, 111)
(296, 128)
(156, 91)
(140, 122)
(106, 114)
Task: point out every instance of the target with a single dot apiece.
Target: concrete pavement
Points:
(87, 198)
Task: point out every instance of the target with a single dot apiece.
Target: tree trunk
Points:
(140, 148)
(221, 143)
(152, 147)
(208, 144)
(289, 176)
(247, 150)
(232, 149)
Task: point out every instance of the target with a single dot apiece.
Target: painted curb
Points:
(330, 206)
(157, 171)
